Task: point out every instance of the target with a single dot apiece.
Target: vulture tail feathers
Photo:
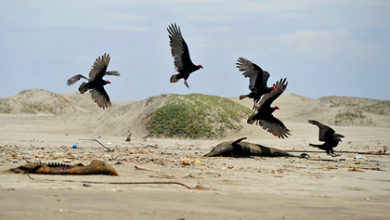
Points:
(316, 145)
(83, 88)
(174, 78)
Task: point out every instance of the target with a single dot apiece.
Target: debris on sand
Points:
(95, 167)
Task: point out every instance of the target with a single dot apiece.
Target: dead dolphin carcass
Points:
(239, 148)
(95, 167)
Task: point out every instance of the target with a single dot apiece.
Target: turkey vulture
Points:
(257, 79)
(264, 117)
(329, 136)
(96, 82)
(181, 55)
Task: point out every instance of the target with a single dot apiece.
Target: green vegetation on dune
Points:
(380, 108)
(352, 116)
(196, 116)
(5, 106)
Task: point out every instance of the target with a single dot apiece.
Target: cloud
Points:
(361, 3)
(222, 29)
(326, 44)
(311, 43)
(213, 18)
(276, 5)
(116, 16)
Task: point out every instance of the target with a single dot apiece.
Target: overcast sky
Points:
(327, 47)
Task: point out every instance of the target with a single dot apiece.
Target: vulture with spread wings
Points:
(181, 56)
(96, 83)
(257, 80)
(264, 117)
(329, 136)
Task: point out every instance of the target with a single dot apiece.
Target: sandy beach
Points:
(351, 186)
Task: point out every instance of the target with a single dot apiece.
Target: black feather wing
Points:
(326, 132)
(99, 67)
(74, 79)
(257, 77)
(179, 48)
(274, 126)
(267, 99)
(100, 96)
(112, 73)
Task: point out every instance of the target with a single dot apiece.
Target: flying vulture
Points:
(181, 55)
(329, 136)
(264, 117)
(96, 83)
(257, 79)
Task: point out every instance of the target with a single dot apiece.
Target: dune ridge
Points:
(78, 112)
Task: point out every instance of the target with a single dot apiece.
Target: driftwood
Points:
(379, 152)
(145, 169)
(95, 167)
(107, 148)
(121, 183)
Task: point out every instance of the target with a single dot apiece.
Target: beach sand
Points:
(351, 186)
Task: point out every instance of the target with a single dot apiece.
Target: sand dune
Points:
(80, 113)
(333, 110)
(36, 101)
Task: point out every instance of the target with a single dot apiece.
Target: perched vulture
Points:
(181, 55)
(264, 117)
(257, 79)
(96, 83)
(329, 136)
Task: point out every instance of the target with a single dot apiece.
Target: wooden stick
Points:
(119, 183)
(145, 169)
(108, 149)
(345, 152)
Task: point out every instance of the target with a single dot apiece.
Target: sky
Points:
(323, 48)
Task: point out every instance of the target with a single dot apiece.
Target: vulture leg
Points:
(244, 96)
(333, 154)
(185, 83)
(254, 105)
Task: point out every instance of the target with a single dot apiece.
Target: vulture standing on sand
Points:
(329, 136)
(181, 55)
(96, 83)
(257, 80)
(264, 117)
